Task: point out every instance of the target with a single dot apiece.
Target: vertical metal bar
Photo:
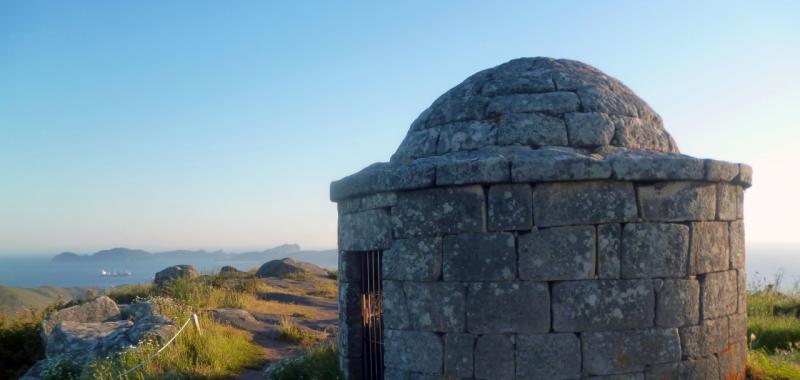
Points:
(380, 316)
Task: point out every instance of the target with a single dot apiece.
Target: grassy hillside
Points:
(16, 299)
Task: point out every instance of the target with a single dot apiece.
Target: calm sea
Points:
(20, 271)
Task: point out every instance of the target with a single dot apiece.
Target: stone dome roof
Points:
(537, 102)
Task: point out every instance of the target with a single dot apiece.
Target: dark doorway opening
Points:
(372, 314)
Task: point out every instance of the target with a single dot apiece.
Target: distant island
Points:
(127, 254)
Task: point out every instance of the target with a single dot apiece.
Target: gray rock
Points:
(287, 266)
(678, 201)
(531, 129)
(737, 328)
(710, 246)
(602, 305)
(677, 302)
(549, 102)
(609, 245)
(436, 306)
(417, 259)
(473, 167)
(741, 290)
(654, 250)
(611, 352)
(551, 164)
(588, 202)
(607, 100)
(634, 133)
(466, 135)
(230, 271)
(517, 77)
(510, 207)
(494, 357)
(138, 310)
(548, 356)
(705, 368)
(458, 360)
(413, 351)
(350, 265)
(89, 339)
(241, 319)
(463, 102)
(365, 230)
(558, 253)
(101, 309)
(439, 211)
(351, 338)
(589, 129)
(705, 339)
(395, 308)
(480, 257)
(622, 376)
(733, 361)
(398, 374)
(718, 294)
(736, 233)
(728, 201)
(381, 177)
(655, 166)
(154, 326)
(350, 302)
(417, 144)
(508, 307)
(175, 272)
(721, 171)
(745, 177)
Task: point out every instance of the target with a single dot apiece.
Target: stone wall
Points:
(500, 268)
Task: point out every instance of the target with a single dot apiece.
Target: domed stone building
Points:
(538, 222)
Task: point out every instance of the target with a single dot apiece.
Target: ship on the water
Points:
(124, 273)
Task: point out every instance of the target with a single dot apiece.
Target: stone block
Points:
(709, 250)
(381, 177)
(678, 201)
(548, 356)
(636, 133)
(718, 292)
(745, 177)
(558, 253)
(602, 305)
(609, 244)
(556, 164)
(417, 144)
(732, 361)
(741, 290)
(531, 129)
(621, 376)
(518, 81)
(364, 231)
(589, 129)
(705, 339)
(677, 302)
(350, 302)
(721, 171)
(395, 308)
(510, 207)
(415, 259)
(736, 232)
(737, 328)
(436, 306)
(705, 368)
(654, 250)
(508, 307)
(379, 200)
(729, 201)
(413, 351)
(349, 266)
(480, 257)
(590, 202)
(550, 102)
(398, 374)
(474, 167)
(655, 166)
(466, 135)
(460, 103)
(438, 211)
(458, 360)
(351, 336)
(494, 357)
(610, 352)
(352, 368)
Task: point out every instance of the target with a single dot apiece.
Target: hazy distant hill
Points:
(126, 254)
(14, 299)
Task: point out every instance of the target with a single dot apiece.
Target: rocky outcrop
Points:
(287, 266)
(102, 309)
(230, 271)
(174, 272)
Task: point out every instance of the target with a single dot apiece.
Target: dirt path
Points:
(285, 298)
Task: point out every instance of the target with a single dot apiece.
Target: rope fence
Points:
(195, 322)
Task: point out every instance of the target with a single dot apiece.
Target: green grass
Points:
(773, 328)
(762, 366)
(20, 345)
(320, 362)
(291, 332)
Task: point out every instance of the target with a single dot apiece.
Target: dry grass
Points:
(279, 308)
(290, 331)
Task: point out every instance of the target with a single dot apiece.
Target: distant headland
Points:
(127, 254)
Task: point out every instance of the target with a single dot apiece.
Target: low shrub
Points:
(20, 344)
(131, 293)
(320, 362)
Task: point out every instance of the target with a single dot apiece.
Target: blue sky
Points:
(220, 124)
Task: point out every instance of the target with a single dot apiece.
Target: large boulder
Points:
(287, 266)
(101, 309)
(96, 339)
(241, 319)
(174, 272)
(230, 271)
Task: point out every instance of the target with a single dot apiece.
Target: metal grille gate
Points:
(372, 314)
